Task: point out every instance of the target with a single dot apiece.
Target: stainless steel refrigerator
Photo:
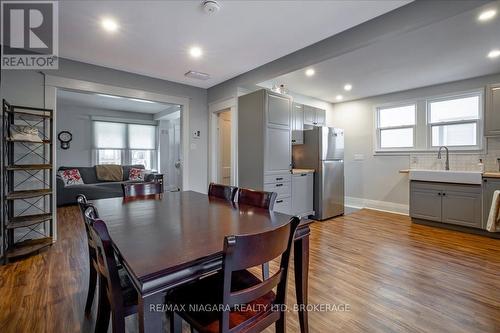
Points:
(323, 150)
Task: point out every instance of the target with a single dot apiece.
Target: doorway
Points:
(224, 147)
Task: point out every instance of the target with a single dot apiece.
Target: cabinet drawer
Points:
(278, 178)
(282, 205)
(282, 189)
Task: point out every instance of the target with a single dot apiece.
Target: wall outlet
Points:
(196, 134)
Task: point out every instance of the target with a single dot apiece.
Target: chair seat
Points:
(207, 293)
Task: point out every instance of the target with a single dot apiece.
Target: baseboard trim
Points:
(384, 206)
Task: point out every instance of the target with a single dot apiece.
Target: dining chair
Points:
(253, 304)
(259, 199)
(222, 191)
(116, 292)
(142, 189)
(255, 198)
(84, 205)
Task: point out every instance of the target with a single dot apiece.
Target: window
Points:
(428, 123)
(396, 127)
(121, 143)
(454, 121)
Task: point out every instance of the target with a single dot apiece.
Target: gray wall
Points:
(376, 177)
(25, 87)
(76, 119)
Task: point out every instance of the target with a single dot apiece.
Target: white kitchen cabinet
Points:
(297, 124)
(302, 194)
(314, 116)
(492, 112)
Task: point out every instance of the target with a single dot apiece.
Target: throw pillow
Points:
(71, 177)
(136, 174)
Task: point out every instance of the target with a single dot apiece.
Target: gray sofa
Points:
(92, 187)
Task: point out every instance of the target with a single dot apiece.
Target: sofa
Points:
(94, 188)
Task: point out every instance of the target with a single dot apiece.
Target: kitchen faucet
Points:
(447, 163)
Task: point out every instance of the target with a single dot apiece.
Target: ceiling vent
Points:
(197, 75)
(210, 6)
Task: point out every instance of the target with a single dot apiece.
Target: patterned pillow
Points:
(136, 174)
(71, 177)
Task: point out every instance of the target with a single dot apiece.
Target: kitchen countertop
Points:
(487, 174)
(297, 171)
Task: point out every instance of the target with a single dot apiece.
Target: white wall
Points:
(375, 181)
(76, 119)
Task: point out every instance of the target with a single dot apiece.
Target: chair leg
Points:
(281, 324)
(118, 321)
(175, 323)
(103, 309)
(91, 291)
(265, 271)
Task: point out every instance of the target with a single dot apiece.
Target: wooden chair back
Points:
(259, 199)
(222, 191)
(107, 264)
(246, 251)
(84, 205)
(142, 189)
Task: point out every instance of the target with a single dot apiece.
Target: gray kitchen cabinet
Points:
(297, 124)
(264, 143)
(302, 194)
(458, 204)
(314, 116)
(492, 112)
(490, 185)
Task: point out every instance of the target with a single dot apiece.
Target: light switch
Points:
(359, 157)
(193, 146)
(196, 134)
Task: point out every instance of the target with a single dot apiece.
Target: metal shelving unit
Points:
(28, 211)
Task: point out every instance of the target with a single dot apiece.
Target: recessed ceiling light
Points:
(109, 24)
(339, 97)
(348, 87)
(310, 72)
(109, 96)
(487, 15)
(494, 54)
(195, 52)
(141, 100)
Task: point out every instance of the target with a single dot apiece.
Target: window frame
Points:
(479, 121)
(422, 133)
(378, 129)
(126, 153)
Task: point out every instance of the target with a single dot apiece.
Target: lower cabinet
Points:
(281, 184)
(458, 204)
(490, 185)
(302, 194)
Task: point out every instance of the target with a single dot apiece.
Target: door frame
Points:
(213, 140)
(53, 83)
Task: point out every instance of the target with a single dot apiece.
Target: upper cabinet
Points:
(297, 124)
(314, 116)
(278, 110)
(492, 112)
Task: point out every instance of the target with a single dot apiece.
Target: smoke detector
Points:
(210, 6)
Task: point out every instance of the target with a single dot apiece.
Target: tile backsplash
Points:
(462, 162)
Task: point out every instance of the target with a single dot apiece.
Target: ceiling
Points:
(88, 100)
(154, 36)
(449, 50)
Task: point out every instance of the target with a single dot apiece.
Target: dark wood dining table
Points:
(170, 239)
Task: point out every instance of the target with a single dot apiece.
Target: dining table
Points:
(170, 239)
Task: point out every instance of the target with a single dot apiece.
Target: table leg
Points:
(301, 265)
(149, 319)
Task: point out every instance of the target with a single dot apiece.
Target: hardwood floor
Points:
(393, 276)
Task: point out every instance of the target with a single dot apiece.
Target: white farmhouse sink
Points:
(446, 176)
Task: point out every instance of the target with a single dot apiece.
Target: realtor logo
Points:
(30, 35)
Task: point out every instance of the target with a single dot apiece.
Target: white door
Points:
(224, 148)
(170, 154)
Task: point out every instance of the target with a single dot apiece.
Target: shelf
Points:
(27, 141)
(27, 194)
(31, 114)
(29, 246)
(29, 167)
(27, 220)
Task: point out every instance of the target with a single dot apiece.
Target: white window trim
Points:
(378, 129)
(423, 128)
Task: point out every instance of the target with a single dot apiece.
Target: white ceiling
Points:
(154, 36)
(94, 101)
(449, 50)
